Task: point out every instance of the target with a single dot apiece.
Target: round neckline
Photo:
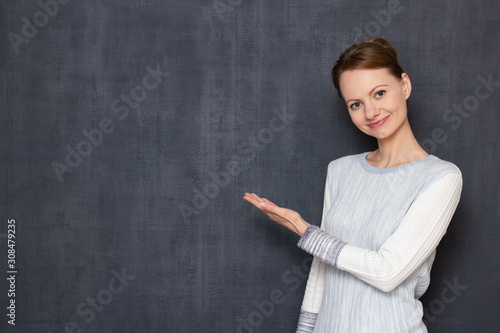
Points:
(369, 167)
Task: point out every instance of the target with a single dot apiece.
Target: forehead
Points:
(356, 82)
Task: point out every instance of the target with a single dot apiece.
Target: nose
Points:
(371, 110)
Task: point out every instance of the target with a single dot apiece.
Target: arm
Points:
(418, 234)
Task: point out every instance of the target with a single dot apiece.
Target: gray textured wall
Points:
(116, 115)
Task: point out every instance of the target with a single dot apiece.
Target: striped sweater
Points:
(374, 251)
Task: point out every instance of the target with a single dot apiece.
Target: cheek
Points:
(354, 117)
(396, 104)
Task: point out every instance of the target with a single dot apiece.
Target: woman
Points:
(384, 211)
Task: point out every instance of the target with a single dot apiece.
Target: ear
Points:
(406, 84)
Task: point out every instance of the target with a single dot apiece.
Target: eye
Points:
(380, 93)
(356, 105)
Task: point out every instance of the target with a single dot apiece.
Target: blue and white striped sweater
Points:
(376, 245)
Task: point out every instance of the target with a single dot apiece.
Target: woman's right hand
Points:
(284, 216)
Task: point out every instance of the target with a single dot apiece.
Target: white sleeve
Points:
(316, 280)
(417, 236)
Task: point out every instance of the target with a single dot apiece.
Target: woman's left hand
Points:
(284, 216)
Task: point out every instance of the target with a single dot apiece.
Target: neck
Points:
(400, 148)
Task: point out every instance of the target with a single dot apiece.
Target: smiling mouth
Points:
(378, 123)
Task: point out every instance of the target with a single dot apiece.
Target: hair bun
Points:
(385, 44)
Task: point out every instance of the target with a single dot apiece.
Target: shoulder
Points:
(344, 167)
(438, 168)
(345, 161)
(444, 172)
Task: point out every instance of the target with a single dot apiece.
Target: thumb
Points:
(266, 204)
(270, 207)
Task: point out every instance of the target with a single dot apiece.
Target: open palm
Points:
(284, 216)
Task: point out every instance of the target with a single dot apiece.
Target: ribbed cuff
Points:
(320, 244)
(307, 320)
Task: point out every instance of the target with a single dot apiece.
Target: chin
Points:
(377, 135)
(380, 136)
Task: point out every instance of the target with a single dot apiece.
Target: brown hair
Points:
(371, 54)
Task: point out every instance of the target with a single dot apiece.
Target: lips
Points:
(378, 123)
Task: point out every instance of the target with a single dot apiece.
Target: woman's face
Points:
(376, 100)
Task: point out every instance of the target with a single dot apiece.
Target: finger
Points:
(269, 203)
(270, 207)
(255, 199)
(252, 200)
(252, 196)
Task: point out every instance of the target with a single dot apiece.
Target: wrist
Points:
(302, 227)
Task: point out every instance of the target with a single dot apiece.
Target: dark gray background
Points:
(230, 63)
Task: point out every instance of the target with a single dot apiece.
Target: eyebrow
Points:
(380, 85)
